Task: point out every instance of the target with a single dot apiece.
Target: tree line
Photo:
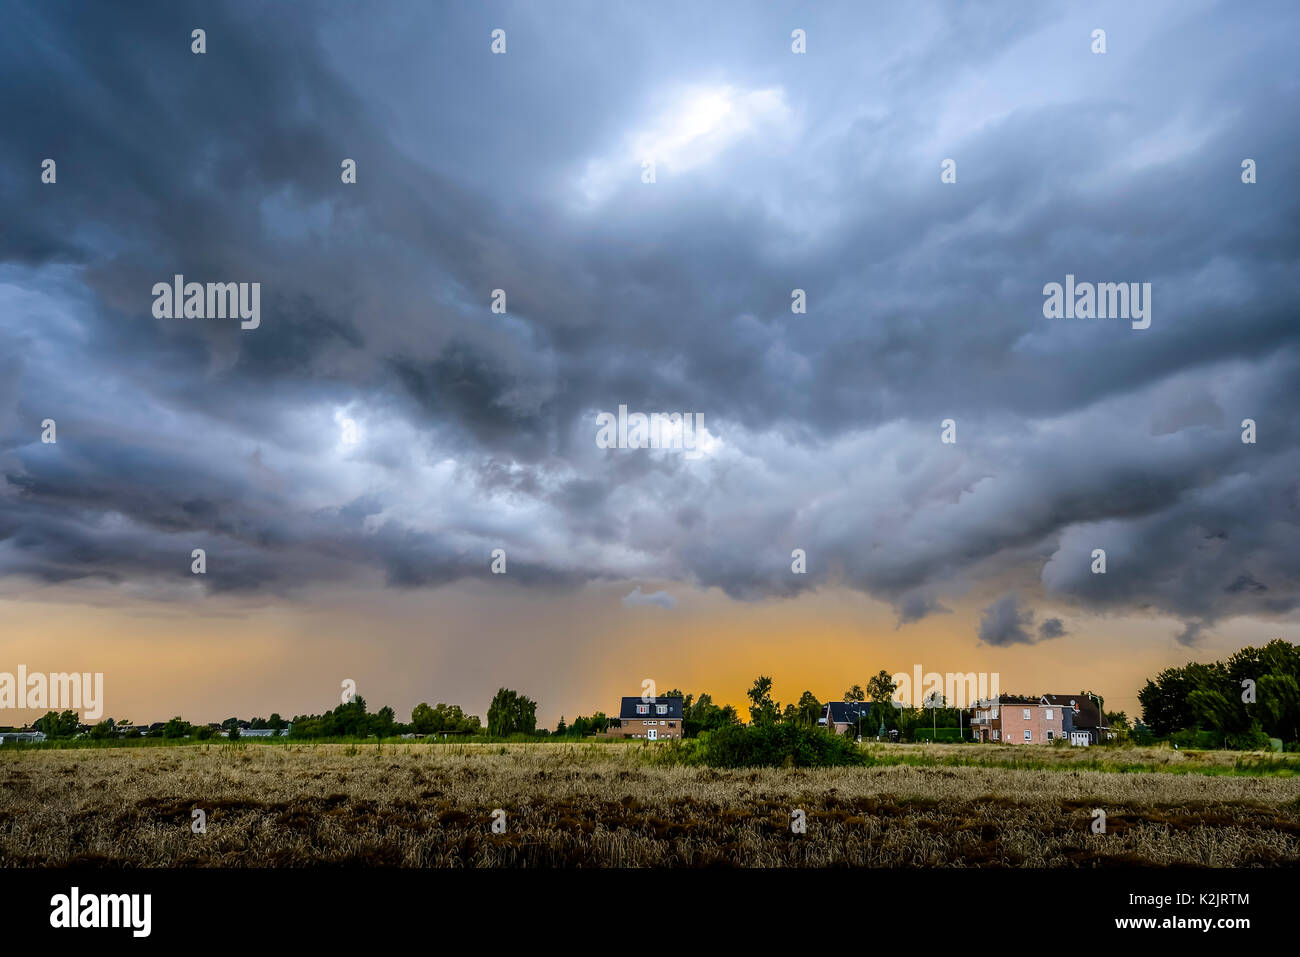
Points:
(1238, 703)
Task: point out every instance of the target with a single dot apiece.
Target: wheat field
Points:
(422, 805)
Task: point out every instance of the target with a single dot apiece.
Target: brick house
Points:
(1015, 719)
(652, 719)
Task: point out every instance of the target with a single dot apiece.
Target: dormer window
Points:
(643, 709)
(661, 709)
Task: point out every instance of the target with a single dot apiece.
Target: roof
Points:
(847, 712)
(1086, 715)
(628, 709)
(1017, 699)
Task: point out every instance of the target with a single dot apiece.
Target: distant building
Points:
(263, 732)
(1016, 719)
(652, 719)
(839, 716)
(10, 737)
(1087, 723)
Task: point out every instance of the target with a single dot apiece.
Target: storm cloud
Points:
(383, 422)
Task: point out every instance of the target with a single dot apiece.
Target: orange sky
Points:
(574, 654)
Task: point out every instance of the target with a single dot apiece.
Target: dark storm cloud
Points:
(522, 172)
(1052, 628)
(1006, 623)
(915, 607)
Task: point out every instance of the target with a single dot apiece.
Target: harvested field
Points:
(422, 805)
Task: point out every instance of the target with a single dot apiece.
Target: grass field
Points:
(421, 805)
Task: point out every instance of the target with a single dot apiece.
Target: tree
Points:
(1279, 699)
(880, 689)
(762, 709)
(561, 728)
(383, 724)
(423, 720)
(855, 694)
(703, 715)
(1142, 734)
(511, 713)
(1216, 697)
(1168, 704)
(808, 710)
(56, 725)
(348, 720)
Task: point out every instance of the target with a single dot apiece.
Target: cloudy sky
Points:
(350, 465)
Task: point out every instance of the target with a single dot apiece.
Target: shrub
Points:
(773, 745)
(1197, 739)
(937, 734)
(1252, 739)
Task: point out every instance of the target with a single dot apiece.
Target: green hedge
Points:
(762, 746)
(939, 734)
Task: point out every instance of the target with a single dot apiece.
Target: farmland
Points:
(417, 804)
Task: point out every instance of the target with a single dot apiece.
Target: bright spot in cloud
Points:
(349, 432)
(661, 598)
(699, 125)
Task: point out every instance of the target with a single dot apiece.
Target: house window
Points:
(1049, 736)
(1026, 714)
(1029, 735)
(997, 735)
(643, 709)
(661, 709)
(1049, 714)
(672, 724)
